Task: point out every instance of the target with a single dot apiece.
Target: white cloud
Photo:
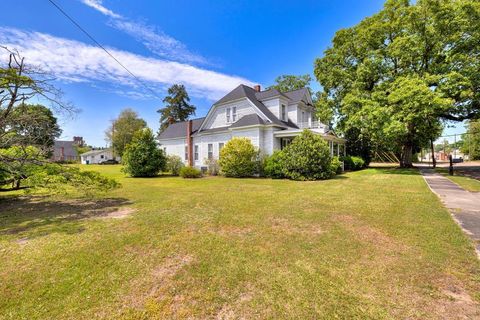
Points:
(76, 61)
(151, 37)
(97, 5)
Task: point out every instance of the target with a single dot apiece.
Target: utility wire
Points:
(103, 48)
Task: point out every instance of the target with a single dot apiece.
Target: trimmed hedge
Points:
(353, 163)
(190, 172)
(238, 158)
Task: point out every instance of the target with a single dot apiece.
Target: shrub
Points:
(274, 165)
(238, 158)
(336, 165)
(142, 157)
(353, 163)
(307, 158)
(213, 168)
(190, 172)
(174, 164)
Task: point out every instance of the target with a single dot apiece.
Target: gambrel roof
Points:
(179, 129)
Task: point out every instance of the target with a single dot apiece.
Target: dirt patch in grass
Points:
(117, 214)
(150, 288)
(288, 227)
(236, 310)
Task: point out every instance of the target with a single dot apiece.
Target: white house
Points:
(270, 119)
(97, 156)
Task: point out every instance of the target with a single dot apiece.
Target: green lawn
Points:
(369, 244)
(465, 182)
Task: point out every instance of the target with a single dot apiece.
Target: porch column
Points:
(338, 149)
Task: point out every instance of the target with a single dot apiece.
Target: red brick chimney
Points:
(189, 143)
(257, 87)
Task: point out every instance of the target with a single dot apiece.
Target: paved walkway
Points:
(464, 205)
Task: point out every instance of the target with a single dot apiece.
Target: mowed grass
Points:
(374, 244)
(465, 182)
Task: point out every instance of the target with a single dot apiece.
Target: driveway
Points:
(463, 205)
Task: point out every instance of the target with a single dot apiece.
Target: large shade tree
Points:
(398, 75)
(122, 129)
(289, 82)
(177, 106)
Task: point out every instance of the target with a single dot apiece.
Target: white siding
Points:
(97, 158)
(204, 140)
(274, 106)
(219, 119)
(174, 147)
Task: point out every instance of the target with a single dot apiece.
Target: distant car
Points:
(109, 161)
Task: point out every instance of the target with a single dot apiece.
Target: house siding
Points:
(219, 118)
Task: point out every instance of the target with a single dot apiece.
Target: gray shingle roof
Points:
(94, 152)
(248, 120)
(179, 129)
(297, 95)
(269, 93)
(68, 149)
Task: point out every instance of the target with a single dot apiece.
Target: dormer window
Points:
(234, 114)
(284, 113)
(228, 115)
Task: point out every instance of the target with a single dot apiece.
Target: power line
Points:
(103, 48)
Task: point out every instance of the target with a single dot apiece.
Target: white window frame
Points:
(210, 151)
(234, 114)
(220, 146)
(196, 152)
(228, 115)
(186, 152)
(283, 112)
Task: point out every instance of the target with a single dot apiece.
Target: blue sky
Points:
(210, 46)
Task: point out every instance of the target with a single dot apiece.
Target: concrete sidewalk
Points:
(463, 205)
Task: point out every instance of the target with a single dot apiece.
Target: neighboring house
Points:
(64, 151)
(270, 119)
(97, 156)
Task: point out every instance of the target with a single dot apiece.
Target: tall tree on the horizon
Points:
(287, 82)
(398, 75)
(177, 106)
(121, 131)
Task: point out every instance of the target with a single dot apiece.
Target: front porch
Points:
(336, 144)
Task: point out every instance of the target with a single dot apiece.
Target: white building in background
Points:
(270, 119)
(97, 156)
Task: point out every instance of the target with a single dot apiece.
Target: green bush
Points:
(307, 158)
(274, 165)
(142, 157)
(353, 163)
(336, 165)
(190, 172)
(174, 164)
(238, 158)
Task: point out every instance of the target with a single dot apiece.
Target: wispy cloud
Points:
(97, 5)
(150, 36)
(72, 60)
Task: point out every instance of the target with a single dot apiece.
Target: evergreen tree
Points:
(177, 106)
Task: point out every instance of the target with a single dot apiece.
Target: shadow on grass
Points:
(396, 170)
(37, 216)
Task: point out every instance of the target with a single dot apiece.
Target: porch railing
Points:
(313, 125)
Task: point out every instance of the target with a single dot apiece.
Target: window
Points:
(220, 146)
(284, 113)
(228, 115)
(196, 152)
(210, 151)
(186, 153)
(165, 150)
(234, 114)
(102, 156)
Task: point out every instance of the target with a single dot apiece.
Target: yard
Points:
(369, 244)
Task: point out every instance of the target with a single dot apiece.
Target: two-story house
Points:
(270, 119)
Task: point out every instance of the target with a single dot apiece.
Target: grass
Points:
(465, 182)
(370, 244)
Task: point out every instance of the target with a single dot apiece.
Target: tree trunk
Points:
(406, 156)
(434, 161)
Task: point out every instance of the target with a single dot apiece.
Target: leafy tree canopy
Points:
(123, 128)
(286, 83)
(177, 106)
(142, 157)
(400, 73)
